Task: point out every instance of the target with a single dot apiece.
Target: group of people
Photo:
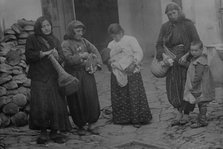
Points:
(50, 108)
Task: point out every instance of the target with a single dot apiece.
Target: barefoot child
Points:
(199, 84)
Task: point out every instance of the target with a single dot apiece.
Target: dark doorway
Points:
(97, 15)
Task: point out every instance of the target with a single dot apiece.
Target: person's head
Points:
(196, 48)
(75, 30)
(173, 12)
(115, 31)
(43, 26)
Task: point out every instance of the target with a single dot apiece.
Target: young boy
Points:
(199, 84)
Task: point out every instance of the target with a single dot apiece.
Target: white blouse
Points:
(130, 44)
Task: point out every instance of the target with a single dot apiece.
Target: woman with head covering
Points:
(82, 59)
(177, 35)
(48, 108)
(128, 97)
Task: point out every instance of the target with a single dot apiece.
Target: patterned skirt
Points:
(129, 103)
(48, 107)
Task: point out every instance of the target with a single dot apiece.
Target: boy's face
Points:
(195, 50)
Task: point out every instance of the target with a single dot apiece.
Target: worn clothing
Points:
(199, 84)
(182, 32)
(47, 105)
(129, 103)
(83, 104)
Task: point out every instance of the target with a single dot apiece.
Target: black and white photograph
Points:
(111, 74)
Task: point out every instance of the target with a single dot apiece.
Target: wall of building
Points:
(143, 20)
(12, 10)
(204, 13)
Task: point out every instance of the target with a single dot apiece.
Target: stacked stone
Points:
(14, 84)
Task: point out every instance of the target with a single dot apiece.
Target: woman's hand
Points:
(131, 68)
(46, 53)
(55, 54)
(183, 59)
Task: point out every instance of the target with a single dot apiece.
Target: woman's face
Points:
(172, 15)
(78, 33)
(46, 27)
(117, 37)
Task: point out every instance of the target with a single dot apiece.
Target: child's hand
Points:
(55, 54)
(84, 55)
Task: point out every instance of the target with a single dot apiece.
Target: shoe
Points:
(198, 125)
(58, 138)
(43, 138)
(175, 123)
(81, 132)
(137, 125)
(93, 131)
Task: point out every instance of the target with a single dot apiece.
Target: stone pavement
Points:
(157, 135)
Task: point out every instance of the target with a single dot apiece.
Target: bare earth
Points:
(157, 135)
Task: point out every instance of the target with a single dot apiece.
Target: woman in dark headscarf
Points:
(84, 104)
(48, 108)
(177, 35)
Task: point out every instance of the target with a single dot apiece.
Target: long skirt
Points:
(84, 104)
(48, 107)
(175, 83)
(129, 103)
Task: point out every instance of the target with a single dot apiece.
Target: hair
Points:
(174, 6)
(197, 43)
(38, 25)
(115, 28)
(70, 29)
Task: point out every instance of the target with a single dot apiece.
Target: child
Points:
(199, 84)
(120, 59)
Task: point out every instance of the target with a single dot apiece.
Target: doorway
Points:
(97, 15)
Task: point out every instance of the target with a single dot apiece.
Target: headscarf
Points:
(51, 39)
(70, 29)
(175, 6)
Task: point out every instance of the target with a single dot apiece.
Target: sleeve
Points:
(159, 44)
(60, 52)
(137, 50)
(32, 54)
(199, 70)
(69, 57)
(94, 50)
(192, 31)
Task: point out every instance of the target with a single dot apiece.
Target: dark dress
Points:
(83, 104)
(48, 107)
(182, 32)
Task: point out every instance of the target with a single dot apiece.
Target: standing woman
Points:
(48, 108)
(177, 35)
(84, 104)
(129, 103)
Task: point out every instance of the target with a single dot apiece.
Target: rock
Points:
(5, 79)
(10, 85)
(19, 99)
(5, 68)
(19, 78)
(23, 35)
(12, 92)
(23, 90)
(9, 31)
(8, 38)
(27, 108)
(4, 100)
(2, 59)
(23, 22)
(15, 27)
(3, 91)
(27, 83)
(22, 41)
(5, 120)
(19, 119)
(23, 63)
(13, 57)
(10, 109)
(28, 28)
